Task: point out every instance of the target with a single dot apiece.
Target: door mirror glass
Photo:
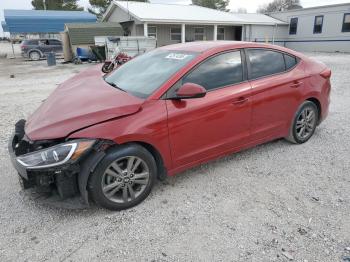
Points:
(190, 90)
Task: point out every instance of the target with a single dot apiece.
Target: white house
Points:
(171, 23)
(325, 28)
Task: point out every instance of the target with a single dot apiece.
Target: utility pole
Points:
(44, 2)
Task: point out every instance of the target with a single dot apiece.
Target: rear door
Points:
(44, 46)
(276, 81)
(206, 127)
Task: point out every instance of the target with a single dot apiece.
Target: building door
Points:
(237, 33)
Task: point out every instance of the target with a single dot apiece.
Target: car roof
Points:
(41, 39)
(205, 46)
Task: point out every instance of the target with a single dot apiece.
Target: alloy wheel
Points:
(34, 56)
(125, 179)
(306, 123)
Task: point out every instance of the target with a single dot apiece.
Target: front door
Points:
(206, 127)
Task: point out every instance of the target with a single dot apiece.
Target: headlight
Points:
(55, 155)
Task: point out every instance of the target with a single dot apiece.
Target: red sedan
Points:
(108, 138)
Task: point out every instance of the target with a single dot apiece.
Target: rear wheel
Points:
(124, 178)
(304, 123)
(34, 55)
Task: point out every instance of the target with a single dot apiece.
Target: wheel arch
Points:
(35, 50)
(162, 171)
(318, 105)
(90, 163)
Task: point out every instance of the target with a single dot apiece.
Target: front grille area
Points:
(61, 180)
(23, 145)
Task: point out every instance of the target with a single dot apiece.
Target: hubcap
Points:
(306, 123)
(125, 179)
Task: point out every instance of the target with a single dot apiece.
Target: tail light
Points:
(23, 46)
(326, 73)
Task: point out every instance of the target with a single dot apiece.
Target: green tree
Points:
(69, 5)
(279, 5)
(99, 7)
(213, 4)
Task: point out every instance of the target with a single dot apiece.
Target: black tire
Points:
(96, 179)
(295, 129)
(34, 55)
(107, 67)
(77, 61)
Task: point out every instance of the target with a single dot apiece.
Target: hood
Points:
(84, 100)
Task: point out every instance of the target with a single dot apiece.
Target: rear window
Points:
(54, 42)
(30, 42)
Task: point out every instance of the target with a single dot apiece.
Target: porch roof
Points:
(191, 14)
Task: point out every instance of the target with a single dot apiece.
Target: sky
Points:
(250, 5)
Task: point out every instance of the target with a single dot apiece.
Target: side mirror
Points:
(190, 90)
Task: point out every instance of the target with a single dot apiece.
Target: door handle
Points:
(240, 101)
(296, 84)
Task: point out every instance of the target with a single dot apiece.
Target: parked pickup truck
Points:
(36, 49)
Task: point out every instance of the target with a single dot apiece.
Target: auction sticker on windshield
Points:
(177, 56)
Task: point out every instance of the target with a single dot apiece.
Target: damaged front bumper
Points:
(67, 181)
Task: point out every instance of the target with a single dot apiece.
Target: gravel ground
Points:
(275, 202)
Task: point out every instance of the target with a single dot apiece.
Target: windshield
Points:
(144, 74)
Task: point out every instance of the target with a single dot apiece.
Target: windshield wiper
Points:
(115, 85)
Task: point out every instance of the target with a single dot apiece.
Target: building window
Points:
(318, 24)
(221, 33)
(198, 33)
(175, 34)
(346, 23)
(152, 31)
(293, 26)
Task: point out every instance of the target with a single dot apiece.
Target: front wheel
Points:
(304, 123)
(107, 67)
(124, 178)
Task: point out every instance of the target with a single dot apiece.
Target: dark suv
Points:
(37, 48)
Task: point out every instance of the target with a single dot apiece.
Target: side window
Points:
(219, 71)
(293, 26)
(32, 42)
(318, 24)
(346, 23)
(265, 62)
(43, 42)
(54, 42)
(290, 61)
